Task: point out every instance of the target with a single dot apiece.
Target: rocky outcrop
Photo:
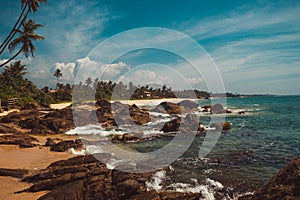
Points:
(16, 173)
(168, 107)
(84, 177)
(9, 135)
(117, 114)
(284, 185)
(65, 145)
(217, 109)
(17, 116)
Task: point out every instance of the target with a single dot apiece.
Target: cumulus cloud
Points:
(67, 71)
(86, 67)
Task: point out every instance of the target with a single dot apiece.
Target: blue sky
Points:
(254, 44)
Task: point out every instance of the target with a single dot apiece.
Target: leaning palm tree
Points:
(26, 6)
(57, 74)
(25, 38)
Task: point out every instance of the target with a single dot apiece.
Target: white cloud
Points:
(85, 68)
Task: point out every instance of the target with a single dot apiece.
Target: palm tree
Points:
(26, 37)
(88, 81)
(16, 70)
(30, 6)
(57, 74)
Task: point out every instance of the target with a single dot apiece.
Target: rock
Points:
(21, 115)
(217, 109)
(241, 113)
(72, 190)
(172, 126)
(84, 177)
(63, 146)
(167, 107)
(14, 137)
(30, 106)
(221, 126)
(188, 104)
(17, 173)
(5, 129)
(50, 142)
(284, 185)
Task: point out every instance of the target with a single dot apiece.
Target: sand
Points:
(60, 105)
(32, 159)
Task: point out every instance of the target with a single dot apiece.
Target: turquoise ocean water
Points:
(261, 142)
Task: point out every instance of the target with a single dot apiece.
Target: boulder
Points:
(189, 104)
(64, 146)
(284, 185)
(217, 109)
(167, 107)
(50, 142)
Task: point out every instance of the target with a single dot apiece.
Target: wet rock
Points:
(221, 126)
(172, 126)
(241, 113)
(284, 185)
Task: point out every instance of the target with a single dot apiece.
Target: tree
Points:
(26, 37)
(16, 70)
(57, 74)
(26, 6)
(88, 81)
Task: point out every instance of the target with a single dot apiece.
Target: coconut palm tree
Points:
(15, 69)
(26, 6)
(25, 38)
(57, 74)
(88, 81)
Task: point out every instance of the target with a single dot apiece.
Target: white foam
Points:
(207, 190)
(92, 129)
(156, 182)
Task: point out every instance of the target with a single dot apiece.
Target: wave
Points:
(207, 190)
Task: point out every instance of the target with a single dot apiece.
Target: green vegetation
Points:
(14, 85)
(26, 35)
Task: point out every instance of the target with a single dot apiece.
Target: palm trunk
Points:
(3, 64)
(13, 33)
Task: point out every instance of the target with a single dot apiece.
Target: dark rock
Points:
(14, 137)
(241, 113)
(71, 191)
(30, 106)
(167, 107)
(63, 146)
(50, 142)
(17, 173)
(284, 185)
(17, 116)
(172, 126)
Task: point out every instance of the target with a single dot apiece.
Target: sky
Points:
(253, 46)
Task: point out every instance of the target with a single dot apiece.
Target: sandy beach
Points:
(31, 159)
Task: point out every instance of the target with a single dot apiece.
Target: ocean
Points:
(260, 142)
